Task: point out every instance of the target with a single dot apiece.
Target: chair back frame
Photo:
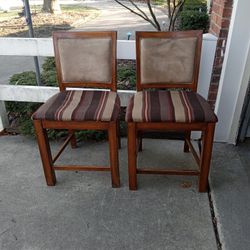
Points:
(169, 35)
(79, 35)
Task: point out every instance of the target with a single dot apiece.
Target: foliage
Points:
(49, 64)
(198, 5)
(174, 8)
(48, 74)
(24, 78)
(126, 75)
(194, 20)
(194, 16)
(23, 110)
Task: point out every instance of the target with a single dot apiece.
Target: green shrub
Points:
(49, 64)
(21, 111)
(194, 16)
(198, 5)
(126, 75)
(24, 78)
(49, 78)
(48, 74)
(193, 20)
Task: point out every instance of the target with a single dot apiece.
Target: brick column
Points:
(219, 26)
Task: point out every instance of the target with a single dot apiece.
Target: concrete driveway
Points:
(115, 17)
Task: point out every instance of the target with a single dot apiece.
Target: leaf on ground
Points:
(186, 184)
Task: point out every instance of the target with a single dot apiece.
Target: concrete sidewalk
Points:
(230, 190)
(83, 212)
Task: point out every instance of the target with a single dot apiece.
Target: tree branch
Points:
(153, 15)
(172, 16)
(176, 12)
(144, 16)
(169, 8)
(136, 6)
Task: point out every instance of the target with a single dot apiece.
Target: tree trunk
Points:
(51, 6)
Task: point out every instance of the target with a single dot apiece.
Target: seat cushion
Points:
(169, 106)
(78, 105)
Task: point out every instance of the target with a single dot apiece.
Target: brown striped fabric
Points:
(80, 106)
(169, 106)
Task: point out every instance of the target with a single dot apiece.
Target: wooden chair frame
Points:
(41, 126)
(136, 129)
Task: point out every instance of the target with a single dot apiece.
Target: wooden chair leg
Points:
(73, 142)
(187, 137)
(113, 150)
(206, 154)
(45, 153)
(118, 134)
(132, 156)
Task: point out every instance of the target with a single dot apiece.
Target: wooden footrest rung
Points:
(63, 146)
(195, 155)
(167, 171)
(81, 168)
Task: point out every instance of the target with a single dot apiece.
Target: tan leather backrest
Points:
(167, 60)
(85, 59)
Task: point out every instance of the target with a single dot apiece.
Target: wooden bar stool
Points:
(83, 59)
(169, 60)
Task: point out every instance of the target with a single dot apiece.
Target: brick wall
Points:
(219, 25)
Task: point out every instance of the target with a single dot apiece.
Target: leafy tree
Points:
(173, 9)
(51, 6)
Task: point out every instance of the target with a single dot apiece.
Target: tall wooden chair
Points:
(83, 59)
(169, 60)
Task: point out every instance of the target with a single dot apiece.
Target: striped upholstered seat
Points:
(169, 106)
(80, 106)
